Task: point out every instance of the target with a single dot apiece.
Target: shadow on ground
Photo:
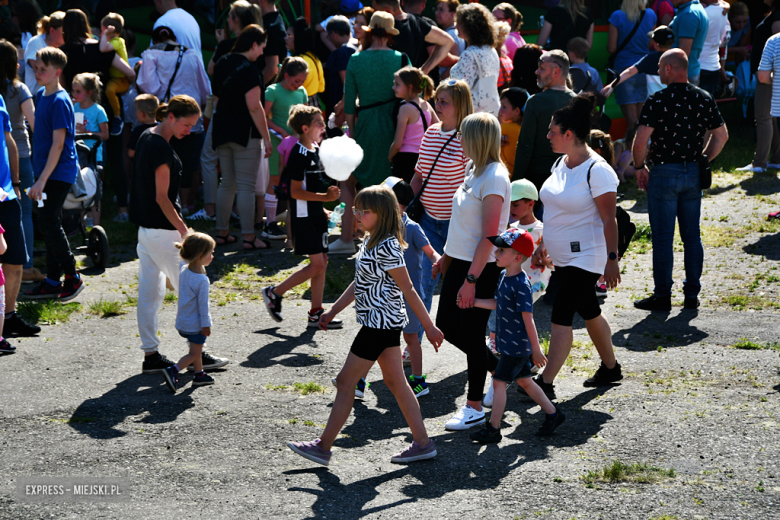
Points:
(644, 336)
(280, 351)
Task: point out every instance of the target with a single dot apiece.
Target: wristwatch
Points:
(16, 184)
(471, 279)
(639, 167)
(613, 256)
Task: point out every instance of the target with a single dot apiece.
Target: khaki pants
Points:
(240, 166)
(767, 133)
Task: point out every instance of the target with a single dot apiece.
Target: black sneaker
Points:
(691, 303)
(6, 348)
(487, 435)
(202, 380)
(273, 303)
(655, 303)
(551, 423)
(171, 378)
(547, 388)
(71, 288)
(44, 291)
(155, 363)
(604, 376)
(15, 326)
(314, 321)
(210, 362)
(273, 232)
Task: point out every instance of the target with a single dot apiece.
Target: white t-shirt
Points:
(573, 231)
(465, 230)
(709, 59)
(35, 44)
(185, 27)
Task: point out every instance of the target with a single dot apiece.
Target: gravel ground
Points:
(78, 405)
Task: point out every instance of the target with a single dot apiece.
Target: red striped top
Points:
(448, 175)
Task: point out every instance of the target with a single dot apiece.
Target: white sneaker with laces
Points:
(201, 215)
(339, 247)
(488, 400)
(467, 417)
(407, 360)
(751, 168)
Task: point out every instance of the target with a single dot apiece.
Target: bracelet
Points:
(16, 184)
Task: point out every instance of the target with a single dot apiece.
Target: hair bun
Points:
(584, 104)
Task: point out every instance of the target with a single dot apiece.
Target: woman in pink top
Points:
(415, 115)
(506, 12)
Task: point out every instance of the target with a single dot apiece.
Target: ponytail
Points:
(180, 106)
(53, 21)
(417, 80)
(293, 66)
(577, 116)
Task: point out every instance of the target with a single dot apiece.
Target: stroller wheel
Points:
(98, 247)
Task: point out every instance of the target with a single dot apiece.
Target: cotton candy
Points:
(340, 156)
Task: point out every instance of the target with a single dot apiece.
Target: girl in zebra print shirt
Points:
(381, 283)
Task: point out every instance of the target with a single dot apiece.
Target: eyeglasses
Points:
(360, 212)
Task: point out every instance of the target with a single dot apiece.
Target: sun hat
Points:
(518, 239)
(524, 189)
(384, 21)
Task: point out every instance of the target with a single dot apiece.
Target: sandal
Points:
(226, 240)
(254, 247)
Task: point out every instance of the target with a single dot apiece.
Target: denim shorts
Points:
(632, 91)
(511, 368)
(193, 337)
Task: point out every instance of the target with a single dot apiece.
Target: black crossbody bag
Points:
(415, 208)
(611, 60)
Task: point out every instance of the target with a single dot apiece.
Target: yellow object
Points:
(119, 46)
(315, 81)
(510, 132)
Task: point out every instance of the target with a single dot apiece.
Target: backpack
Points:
(582, 81)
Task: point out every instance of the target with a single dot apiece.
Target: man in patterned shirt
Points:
(683, 123)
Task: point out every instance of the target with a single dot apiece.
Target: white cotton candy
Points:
(340, 156)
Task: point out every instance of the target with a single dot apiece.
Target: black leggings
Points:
(465, 328)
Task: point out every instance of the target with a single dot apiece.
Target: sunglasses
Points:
(360, 212)
(451, 82)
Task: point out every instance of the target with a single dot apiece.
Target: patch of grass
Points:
(106, 308)
(47, 313)
(170, 297)
(746, 344)
(269, 386)
(740, 302)
(309, 388)
(664, 517)
(621, 472)
(642, 241)
(760, 486)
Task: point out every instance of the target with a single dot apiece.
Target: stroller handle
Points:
(95, 146)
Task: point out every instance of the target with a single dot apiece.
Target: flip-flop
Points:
(226, 240)
(253, 247)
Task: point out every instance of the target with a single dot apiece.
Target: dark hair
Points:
(368, 40)
(53, 21)
(602, 142)
(28, 13)
(525, 63)
(301, 115)
(293, 66)
(248, 36)
(516, 96)
(403, 192)
(162, 34)
(130, 39)
(511, 13)
(8, 65)
(339, 24)
(577, 116)
(180, 106)
(478, 23)
(417, 80)
(304, 37)
(75, 26)
(579, 47)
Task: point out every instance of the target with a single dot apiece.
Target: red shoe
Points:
(44, 291)
(71, 288)
(771, 216)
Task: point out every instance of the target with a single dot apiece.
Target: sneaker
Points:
(655, 303)
(202, 215)
(311, 450)
(202, 380)
(419, 385)
(210, 362)
(15, 326)
(491, 344)
(171, 378)
(272, 232)
(488, 399)
(339, 247)
(273, 303)
(601, 290)
(44, 291)
(122, 217)
(751, 168)
(116, 126)
(155, 363)
(406, 359)
(604, 376)
(360, 388)
(71, 288)
(551, 423)
(773, 215)
(414, 453)
(547, 388)
(487, 435)
(314, 321)
(691, 303)
(467, 417)
(6, 348)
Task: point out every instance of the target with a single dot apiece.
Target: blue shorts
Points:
(511, 369)
(632, 91)
(414, 326)
(193, 337)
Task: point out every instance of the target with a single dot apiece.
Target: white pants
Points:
(159, 258)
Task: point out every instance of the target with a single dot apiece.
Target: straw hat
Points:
(384, 21)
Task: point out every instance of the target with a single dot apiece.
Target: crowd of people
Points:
(486, 167)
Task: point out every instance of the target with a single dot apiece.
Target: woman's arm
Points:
(612, 39)
(544, 34)
(401, 277)
(122, 66)
(162, 181)
(491, 216)
(252, 99)
(404, 115)
(607, 206)
(589, 36)
(28, 109)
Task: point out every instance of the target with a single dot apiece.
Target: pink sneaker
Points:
(414, 453)
(311, 450)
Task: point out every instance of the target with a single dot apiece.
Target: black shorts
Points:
(11, 220)
(404, 164)
(370, 343)
(576, 294)
(310, 234)
(188, 148)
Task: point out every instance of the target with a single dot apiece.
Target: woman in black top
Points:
(242, 14)
(569, 19)
(239, 123)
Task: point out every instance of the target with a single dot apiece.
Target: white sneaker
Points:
(406, 358)
(339, 247)
(488, 400)
(491, 344)
(201, 215)
(751, 168)
(467, 417)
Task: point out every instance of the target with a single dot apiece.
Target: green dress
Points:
(370, 76)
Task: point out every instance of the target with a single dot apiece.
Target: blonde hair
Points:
(147, 103)
(91, 83)
(292, 66)
(247, 14)
(195, 246)
(115, 19)
(301, 115)
(53, 21)
(461, 98)
(575, 8)
(502, 31)
(417, 80)
(633, 8)
(382, 201)
(481, 140)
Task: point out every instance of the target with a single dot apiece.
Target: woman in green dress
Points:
(370, 75)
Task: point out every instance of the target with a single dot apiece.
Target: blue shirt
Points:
(691, 21)
(413, 254)
(54, 112)
(595, 78)
(5, 166)
(513, 297)
(640, 41)
(93, 116)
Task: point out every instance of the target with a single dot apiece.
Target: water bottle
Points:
(335, 216)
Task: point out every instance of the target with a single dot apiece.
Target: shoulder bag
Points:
(611, 60)
(415, 208)
(182, 50)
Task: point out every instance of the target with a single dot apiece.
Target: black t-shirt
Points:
(680, 115)
(234, 76)
(152, 151)
(274, 28)
(304, 166)
(85, 57)
(564, 28)
(224, 49)
(337, 62)
(760, 36)
(649, 63)
(411, 39)
(136, 134)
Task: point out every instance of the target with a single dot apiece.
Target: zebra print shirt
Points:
(379, 302)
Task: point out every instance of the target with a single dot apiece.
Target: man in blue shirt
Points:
(690, 30)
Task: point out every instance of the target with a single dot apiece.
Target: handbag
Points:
(705, 172)
(415, 208)
(167, 96)
(611, 60)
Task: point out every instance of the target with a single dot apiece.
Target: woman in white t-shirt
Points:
(581, 237)
(480, 209)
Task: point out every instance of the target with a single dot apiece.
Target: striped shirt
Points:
(448, 175)
(770, 60)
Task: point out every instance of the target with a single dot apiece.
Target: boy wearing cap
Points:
(516, 337)
(661, 40)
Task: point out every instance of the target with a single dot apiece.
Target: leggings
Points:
(465, 328)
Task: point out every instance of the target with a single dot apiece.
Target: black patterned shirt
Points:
(379, 302)
(680, 115)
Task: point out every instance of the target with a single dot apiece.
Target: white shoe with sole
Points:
(467, 417)
(488, 400)
(751, 168)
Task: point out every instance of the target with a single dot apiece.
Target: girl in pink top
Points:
(414, 117)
